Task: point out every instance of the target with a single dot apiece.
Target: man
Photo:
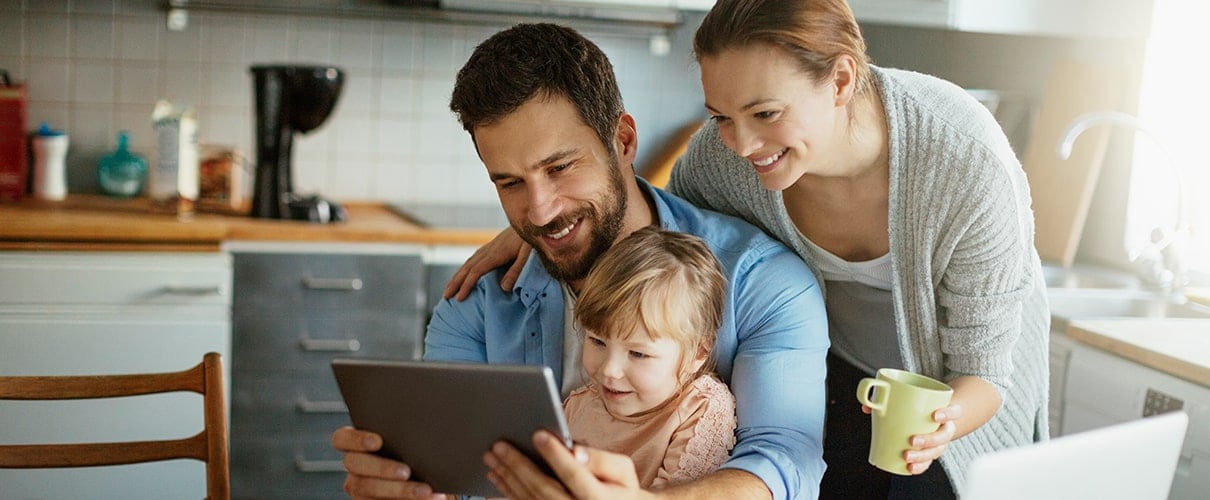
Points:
(543, 109)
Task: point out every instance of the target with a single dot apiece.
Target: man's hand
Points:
(371, 476)
(586, 473)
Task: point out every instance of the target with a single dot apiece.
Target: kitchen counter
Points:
(1177, 346)
(92, 222)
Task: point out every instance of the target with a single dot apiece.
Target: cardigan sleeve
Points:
(986, 281)
(688, 173)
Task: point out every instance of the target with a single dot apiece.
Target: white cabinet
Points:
(923, 13)
(702, 5)
(1065, 18)
(657, 4)
(1062, 18)
(660, 12)
(1104, 389)
(72, 313)
(1060, 357)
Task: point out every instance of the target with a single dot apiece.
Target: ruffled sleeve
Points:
(704, 439)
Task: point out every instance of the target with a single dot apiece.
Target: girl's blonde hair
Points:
(815, 33)
(666, 281)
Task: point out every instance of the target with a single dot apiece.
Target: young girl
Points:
(649, 311)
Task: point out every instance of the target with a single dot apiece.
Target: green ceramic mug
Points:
(903, 404)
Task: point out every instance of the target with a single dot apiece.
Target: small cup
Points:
(903, 404)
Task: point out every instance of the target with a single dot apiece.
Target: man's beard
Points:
(606, 227)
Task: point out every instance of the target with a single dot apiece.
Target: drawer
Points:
(329, 282)
(115, 278)
(276, 341)
(87, 344)
(166, 480)
(272, 402)
(264, 467)
(281, 428)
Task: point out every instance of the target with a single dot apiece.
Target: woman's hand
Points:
(974, 403)
(504, 248)
(926, 448)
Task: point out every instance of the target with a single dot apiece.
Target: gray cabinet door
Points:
(292, 314)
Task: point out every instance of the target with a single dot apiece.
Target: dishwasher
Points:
(1103, 389)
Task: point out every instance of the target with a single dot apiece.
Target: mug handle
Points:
(863, 393)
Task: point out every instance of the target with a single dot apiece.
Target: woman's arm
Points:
(504, 248)
(982, 299)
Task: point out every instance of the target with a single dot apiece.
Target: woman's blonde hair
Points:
(666, 281)
(814, 32)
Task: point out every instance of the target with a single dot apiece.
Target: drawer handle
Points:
(330, 345)
(304, 465)
(336, 284)
(192, 291)
(307, 406)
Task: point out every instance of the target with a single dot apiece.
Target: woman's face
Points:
(773, 114)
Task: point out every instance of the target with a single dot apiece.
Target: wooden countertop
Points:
(1177, 346)
(93, 222)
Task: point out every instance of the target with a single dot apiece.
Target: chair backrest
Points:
(209, 445)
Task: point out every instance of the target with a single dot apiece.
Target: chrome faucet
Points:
(1161, 261)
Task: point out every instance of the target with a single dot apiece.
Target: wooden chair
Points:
(209, 445)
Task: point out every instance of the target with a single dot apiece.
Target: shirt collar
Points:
(663, 210)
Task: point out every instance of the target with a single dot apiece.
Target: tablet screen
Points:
(439, 418)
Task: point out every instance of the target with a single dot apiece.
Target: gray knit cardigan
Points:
(968, 292)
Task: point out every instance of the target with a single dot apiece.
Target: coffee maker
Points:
(290, 99)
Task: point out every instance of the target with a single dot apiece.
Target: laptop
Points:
(1135, 460)
(440, 418)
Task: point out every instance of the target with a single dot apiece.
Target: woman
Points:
(903, 195)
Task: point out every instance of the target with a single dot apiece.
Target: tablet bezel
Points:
(459, 416)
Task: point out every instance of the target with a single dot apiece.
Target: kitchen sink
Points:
(1068, 304)
(1086, 276)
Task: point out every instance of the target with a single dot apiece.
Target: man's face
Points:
(559, 186)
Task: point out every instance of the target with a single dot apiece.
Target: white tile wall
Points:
(47, 35)
(95, 67)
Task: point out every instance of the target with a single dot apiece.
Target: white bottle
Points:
(172, 180)
(50, 169)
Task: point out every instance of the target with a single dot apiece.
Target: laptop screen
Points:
(1134, 460)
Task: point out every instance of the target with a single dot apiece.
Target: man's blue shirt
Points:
(770, 348)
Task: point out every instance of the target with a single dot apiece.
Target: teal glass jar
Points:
(122, 174)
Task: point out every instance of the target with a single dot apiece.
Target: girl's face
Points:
(635, 375)
(773, 114)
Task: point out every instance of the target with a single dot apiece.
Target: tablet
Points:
(439, 418)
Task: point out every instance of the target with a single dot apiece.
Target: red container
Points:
(14, 158)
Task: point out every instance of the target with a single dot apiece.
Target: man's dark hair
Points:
(519, 63)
